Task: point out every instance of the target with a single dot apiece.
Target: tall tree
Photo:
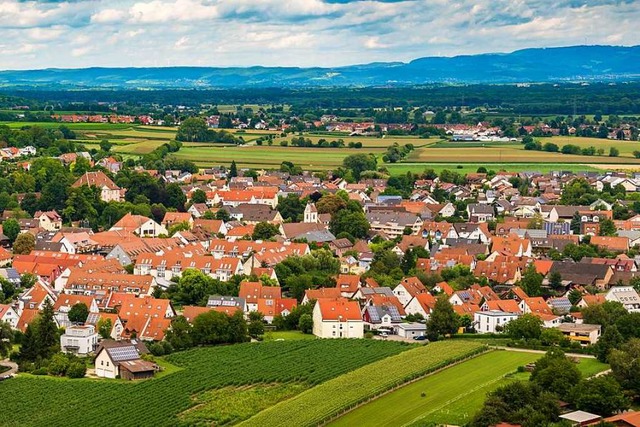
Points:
(24, 244)
(11, 229)
(531, 282)
(233, 170)
(6, 339)
(443, 319)
(78, 313)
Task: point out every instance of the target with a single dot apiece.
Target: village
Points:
(117, 272)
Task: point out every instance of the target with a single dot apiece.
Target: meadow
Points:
(327, 400)
(166, 401)
(431, 153)
(451, 396)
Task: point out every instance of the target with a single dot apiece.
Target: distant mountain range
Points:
(538, 65)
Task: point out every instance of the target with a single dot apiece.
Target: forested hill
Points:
(576, 63)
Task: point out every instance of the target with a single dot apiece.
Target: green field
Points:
(452, 396)
(325, 401)
(433, 153)
(403, 168)
(40, 401)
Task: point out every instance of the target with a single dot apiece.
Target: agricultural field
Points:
(167, 400)
(453, 395)
(252, 156)
(464, 168)
(325, 401)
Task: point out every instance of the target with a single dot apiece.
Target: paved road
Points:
(13, 367)
(526, 350)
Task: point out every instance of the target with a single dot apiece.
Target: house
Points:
(625, 295)
(116, 324)
(146, 318)
(174, 218)
(393, 223)
(590, 300)
(66, 301)
(511, 245)
(122, 359)
(612, 243)
(408, 288)
(339, 318)
(226, 304)
(322, 293)
(492, 321)
(583, 273)
(139, 225)
(539, 308)
(480, 212)
(583, 333)
(79, 340)
(384, 315)
(109, 191)
(410, 330)
(254, 213)
(348, 284)
(270, 308)
(422, 304)
(626, 419)
(252, 292)
(49, 220)
(9, 315)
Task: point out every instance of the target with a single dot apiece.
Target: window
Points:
(102, 363)
(107, 363)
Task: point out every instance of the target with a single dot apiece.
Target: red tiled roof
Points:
(340, 310)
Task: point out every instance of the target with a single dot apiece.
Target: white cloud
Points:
(108, 16)
(71, 33)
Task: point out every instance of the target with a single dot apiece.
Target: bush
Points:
(156, 349)
(58, 365)
(168, 348)
(368, 335)
(39, 371)
(76, 370)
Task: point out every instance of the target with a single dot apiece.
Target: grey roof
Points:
(580, 273)
(317, 236)
(383, 290)
(557, 227)
(478, 208)
(400, 218)
(120, 354)
(376, 312)
(10, 274)
(629, 234)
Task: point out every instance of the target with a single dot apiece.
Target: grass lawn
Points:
(318, 404)
(287, 336)
(452, 396)
(590, 367)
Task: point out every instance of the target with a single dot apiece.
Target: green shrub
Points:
(76, 370)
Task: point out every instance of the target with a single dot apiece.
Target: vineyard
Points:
(38, 401)
(324, 402)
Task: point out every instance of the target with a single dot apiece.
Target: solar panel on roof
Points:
(120, 354)
(373, 314)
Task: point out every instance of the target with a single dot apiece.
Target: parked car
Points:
(420, 338)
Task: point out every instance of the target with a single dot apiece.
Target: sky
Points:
(141, 33)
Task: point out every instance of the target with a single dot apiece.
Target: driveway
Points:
(13, 367)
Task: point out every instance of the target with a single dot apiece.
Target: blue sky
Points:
(84, 33)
